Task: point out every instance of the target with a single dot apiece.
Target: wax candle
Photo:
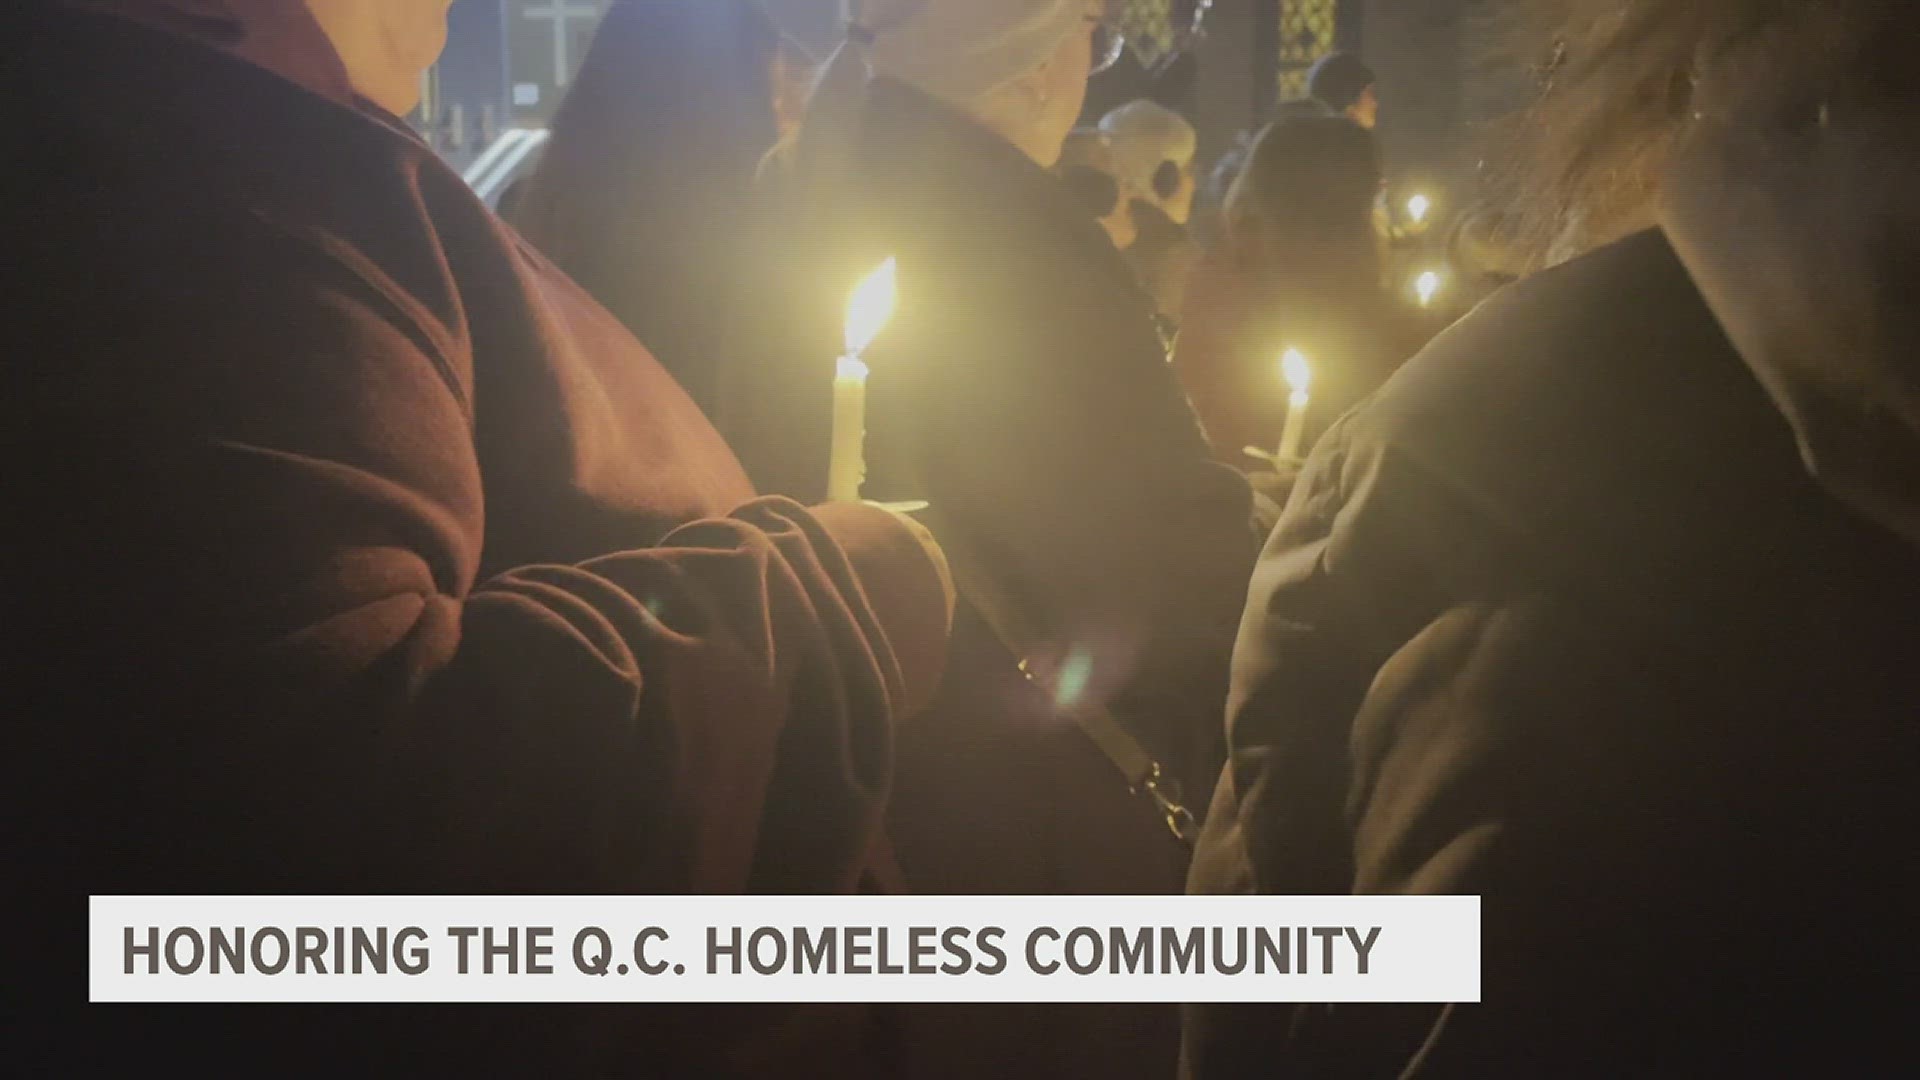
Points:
(867, 313)
(1293, 368)
(847, 466)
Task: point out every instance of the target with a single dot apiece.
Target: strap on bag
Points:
(1143, 774)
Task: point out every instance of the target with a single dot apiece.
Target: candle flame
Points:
(1417, 208)
(851, 369)
(1294, 368)
(870, 308)
(1427, 284)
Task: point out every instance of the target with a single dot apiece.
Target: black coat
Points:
(1558, 619)
(1023, 388)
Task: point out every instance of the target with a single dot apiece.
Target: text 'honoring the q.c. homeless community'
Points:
(791, 949)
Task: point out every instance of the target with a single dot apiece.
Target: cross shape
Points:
(559, 12)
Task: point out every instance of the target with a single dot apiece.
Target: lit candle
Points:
(867, 314)
(1293, 367)
(1417, 208)
(1426, 285)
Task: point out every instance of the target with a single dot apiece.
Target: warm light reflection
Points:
(870, 308)
(1417, 208)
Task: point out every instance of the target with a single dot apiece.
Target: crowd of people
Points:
(369, 540)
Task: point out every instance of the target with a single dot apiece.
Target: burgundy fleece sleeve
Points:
(287, 569)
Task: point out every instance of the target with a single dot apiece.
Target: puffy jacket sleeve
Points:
(1360, 581)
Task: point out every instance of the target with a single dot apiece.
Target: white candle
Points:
(847, 465)
(1293, 367)
(867, 314)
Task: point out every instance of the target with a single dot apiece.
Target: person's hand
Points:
(1275, 484)
(1271, 489)
(907, 584)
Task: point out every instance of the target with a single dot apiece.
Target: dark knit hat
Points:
(1338, 80)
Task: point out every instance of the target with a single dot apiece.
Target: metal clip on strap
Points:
(1180, 820)
(1143, 774)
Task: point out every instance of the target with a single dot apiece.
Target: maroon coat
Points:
(393, 562)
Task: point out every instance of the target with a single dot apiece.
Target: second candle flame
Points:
(1425, 286)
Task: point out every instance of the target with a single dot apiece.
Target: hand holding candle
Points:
(1293, 367)
(867, 315)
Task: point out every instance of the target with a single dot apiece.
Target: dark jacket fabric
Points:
(647, 203)
(1558, 619)
(362, 552)
(1163, 256)
(1022, 390)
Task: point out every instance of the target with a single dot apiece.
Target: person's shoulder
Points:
(1617, 328)
(1596, 404)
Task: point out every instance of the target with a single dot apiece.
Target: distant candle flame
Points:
(870, 308)
(1417, 208)
(1427, 284)
(1294, 368)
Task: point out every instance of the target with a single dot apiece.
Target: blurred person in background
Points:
(1153, 151)
(1210, 197)
(1603, 610)
(1086, 165)
(1345, 86)
(645, 192)
(794, 72)
(1342, 84)
(1297, 268)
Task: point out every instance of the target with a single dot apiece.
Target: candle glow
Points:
(1299, 376)
(1426, 285)
(871, 307)
(1417, 208)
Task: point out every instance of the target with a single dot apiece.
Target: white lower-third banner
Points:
(784, 949)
